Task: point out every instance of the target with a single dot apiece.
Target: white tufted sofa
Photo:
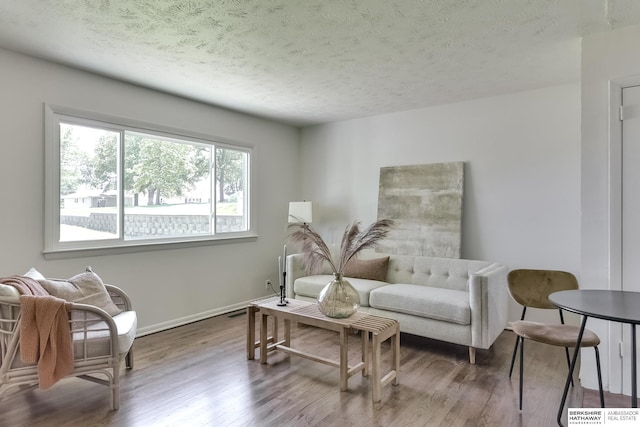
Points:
(455, 300)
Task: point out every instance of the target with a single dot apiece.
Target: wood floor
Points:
(198, 375)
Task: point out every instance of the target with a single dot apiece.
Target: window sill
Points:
(146, 246)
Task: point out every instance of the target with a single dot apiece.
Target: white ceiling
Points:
(303, 62)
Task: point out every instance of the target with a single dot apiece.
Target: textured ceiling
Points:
(312, 61)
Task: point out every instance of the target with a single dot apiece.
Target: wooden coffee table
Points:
(375, 329)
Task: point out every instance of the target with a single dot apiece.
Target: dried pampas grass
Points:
(315, 251)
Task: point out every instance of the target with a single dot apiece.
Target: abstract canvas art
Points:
(425, 201)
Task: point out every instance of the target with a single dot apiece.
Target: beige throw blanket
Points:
(44, 331)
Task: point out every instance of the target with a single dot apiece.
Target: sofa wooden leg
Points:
(472, 355)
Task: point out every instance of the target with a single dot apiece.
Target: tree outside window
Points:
(125, 184)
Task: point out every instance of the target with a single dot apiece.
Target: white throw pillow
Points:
(34, 274)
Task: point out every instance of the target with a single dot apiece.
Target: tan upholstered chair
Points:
(99, 343)
(531, 288)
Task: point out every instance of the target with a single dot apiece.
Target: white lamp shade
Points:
(300, 212)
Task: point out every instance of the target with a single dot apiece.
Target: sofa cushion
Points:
(372, 269)
(435, 303)
(310, 286)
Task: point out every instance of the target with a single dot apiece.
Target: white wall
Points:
(607, 58)
(522, 172)
(167, 286)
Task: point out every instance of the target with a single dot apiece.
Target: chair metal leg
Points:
(513, 358)
(515, 347)
(566, 349)
(521, 368)
(599, 376)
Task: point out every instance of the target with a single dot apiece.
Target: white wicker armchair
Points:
(100, 342)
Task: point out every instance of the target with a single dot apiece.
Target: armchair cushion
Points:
(83, 288)
(98, 339)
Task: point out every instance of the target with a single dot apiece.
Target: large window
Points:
(111, 183)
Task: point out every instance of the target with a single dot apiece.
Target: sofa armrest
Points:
(488, 299)
(294, 269)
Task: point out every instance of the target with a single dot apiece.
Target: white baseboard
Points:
(158, 327)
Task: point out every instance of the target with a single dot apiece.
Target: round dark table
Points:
(616, 306)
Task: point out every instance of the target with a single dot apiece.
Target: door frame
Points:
(615, 330)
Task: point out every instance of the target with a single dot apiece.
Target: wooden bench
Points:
(374, 329)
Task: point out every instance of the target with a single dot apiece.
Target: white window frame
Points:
(53, 248)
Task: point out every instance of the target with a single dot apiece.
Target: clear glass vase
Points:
(338, 299)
